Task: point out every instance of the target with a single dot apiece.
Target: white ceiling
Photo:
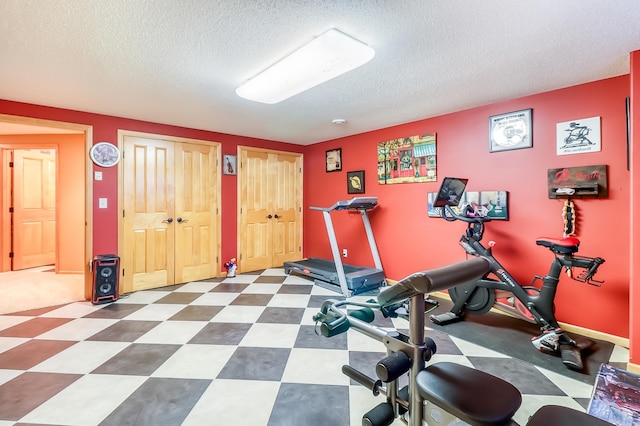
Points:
(179, 62)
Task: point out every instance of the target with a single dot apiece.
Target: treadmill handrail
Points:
(356, 203)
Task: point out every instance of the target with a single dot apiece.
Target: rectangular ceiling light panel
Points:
(329, 55)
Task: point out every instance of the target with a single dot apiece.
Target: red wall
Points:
(409, 241)
(105, 128)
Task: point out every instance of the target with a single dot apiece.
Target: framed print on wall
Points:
(355, 182)
(334, 160)
(510, 131)
(229, 164)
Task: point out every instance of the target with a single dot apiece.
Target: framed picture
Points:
(578, 136)
(510, 131)
(355, 182)
(334, 160)
(229, 164)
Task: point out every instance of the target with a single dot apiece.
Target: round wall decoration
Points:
(105, 154)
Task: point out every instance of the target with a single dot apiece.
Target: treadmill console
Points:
(357, 203)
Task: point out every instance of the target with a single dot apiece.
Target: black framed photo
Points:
(334, 160)
(510, 131)
(355, 182)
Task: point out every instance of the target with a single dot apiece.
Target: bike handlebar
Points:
(453, 216)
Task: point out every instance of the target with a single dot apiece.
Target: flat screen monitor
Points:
(450, 192)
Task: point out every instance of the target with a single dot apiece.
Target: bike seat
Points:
(567, 245)
(471, 395)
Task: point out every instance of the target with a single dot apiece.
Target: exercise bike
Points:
(443, 392)
(529, 303)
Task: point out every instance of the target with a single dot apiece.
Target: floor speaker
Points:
(106, 271)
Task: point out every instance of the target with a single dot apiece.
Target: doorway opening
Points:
(42, 261)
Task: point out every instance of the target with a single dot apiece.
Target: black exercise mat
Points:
(512, 337)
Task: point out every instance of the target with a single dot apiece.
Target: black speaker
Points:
(106, 271)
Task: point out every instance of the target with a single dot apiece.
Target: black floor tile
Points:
(281, 315)
(197, 313)
(311, 405)
(137, 359)
(124, 331)
(221, 333)
(158, 402)
(256, 364)
(27, 391)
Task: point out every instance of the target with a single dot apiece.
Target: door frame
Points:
(122, 133)
(88, 210)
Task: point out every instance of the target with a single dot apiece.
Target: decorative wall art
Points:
(229, 163)
(578, 136)
(410, 159)
(510, 131)
(355, 182)
(491, 204)
(584, 181)
(334, 160)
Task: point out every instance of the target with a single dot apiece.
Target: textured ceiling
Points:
(179, 62)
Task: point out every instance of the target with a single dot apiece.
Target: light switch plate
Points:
(102, 203)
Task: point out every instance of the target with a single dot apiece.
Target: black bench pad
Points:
(471, 395)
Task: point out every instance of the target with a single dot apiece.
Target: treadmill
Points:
(335, 275)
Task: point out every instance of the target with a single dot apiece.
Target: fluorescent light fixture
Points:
(327, 56)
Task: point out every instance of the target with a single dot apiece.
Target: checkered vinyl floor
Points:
(235, 351)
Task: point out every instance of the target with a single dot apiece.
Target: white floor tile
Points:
(297, 279)
(471, 349)
(196, 362)
(274, 272)
(241, 279)
(7, 343)
(262, 288)
(78, 329)
(155, 312)
(571, 387)
(85, 402)
(196, 287)
(316, 366)
(234, 402)
(81, 358)
(73, 310)
(359, 342)
(172, 332)
(619, 354)
(8, 321)
(146, 296)
(271, 335)
(289, 300)
(215, 299)
(242, 314)
(6, 375)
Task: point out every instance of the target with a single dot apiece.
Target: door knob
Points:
(181, 220)
(168, 220)
(276, 216)
(269, 217)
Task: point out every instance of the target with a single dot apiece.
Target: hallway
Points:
(37, 288)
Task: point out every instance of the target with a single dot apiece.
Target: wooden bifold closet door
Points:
(270, 208)
(170, 212)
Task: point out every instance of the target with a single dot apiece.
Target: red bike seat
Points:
(567, 245)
